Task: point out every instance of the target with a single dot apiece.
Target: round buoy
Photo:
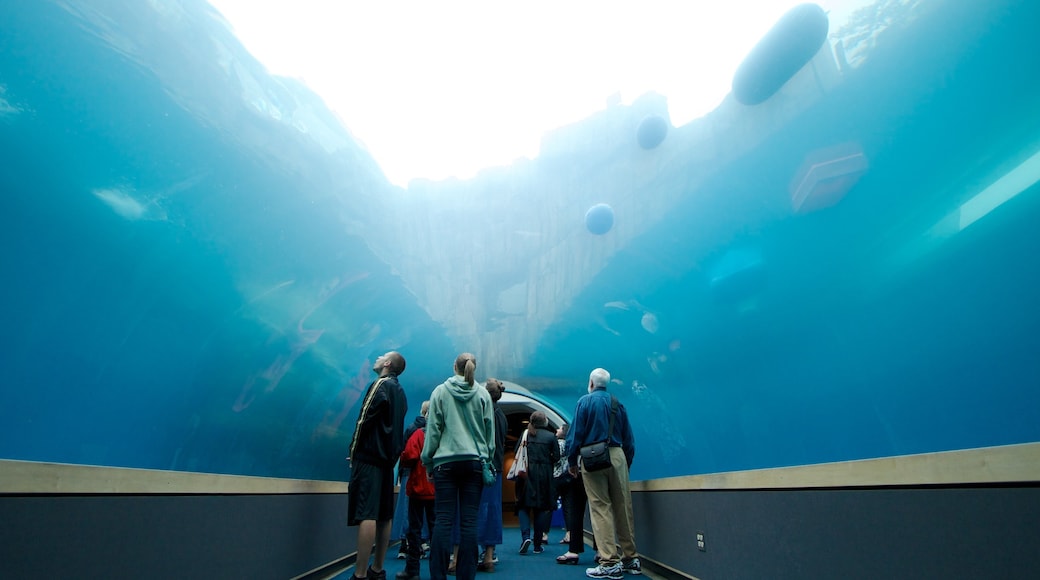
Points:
(791, 43)
(652, 131)
(599, 219)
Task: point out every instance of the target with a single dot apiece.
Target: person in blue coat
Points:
(599, 417)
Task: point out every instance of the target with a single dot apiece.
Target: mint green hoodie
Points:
(460, 425)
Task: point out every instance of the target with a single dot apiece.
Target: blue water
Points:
(182, 291)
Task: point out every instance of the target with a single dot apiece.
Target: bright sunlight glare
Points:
(444, 89)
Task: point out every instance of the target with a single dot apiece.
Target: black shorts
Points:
(370, 495)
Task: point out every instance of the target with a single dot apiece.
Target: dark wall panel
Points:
(885, 533)
(948, 533)
(175, 536)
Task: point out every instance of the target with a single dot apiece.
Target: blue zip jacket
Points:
(591, 419)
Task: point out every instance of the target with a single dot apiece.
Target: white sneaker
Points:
(610, 572)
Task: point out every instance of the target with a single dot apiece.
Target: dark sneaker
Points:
(373, 575)
(610, 572)
(525, 545)
(538, 549)
(632, 566)
(406, 575)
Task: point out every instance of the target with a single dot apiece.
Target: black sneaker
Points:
(373, 575)
(538, 549)
(525, 545)
(632, 566)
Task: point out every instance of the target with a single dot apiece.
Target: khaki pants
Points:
(610, 508)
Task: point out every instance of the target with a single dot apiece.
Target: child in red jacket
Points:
(420, 503)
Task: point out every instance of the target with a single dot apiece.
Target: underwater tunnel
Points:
(817, 302)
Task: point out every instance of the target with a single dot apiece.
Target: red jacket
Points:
(419, 485)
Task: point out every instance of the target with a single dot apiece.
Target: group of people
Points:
(452, 460)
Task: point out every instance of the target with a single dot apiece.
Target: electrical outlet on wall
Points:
(700, 542)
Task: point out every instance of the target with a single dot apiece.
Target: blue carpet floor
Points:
(511, 564)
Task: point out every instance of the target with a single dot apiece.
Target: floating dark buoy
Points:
(652, 131)
(599, 219)
(791, 43)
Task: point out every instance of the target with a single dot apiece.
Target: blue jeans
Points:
(542, 522)
(489, 518)
(458, 487)
(400, 526)
(524, 517)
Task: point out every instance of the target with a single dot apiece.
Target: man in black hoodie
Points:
(378, 442)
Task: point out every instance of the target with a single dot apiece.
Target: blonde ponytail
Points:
(466, 365)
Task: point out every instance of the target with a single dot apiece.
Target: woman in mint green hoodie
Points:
(460, 438)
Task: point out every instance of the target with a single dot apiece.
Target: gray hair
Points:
(599, 377)
(425, 409)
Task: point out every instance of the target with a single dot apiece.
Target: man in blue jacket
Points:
(378, 442)
(610, 502)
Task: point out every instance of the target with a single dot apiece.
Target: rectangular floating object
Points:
(826, 176)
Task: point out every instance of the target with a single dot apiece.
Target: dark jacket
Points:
(418, 423)
(591, 420)
(379, 434)
(501, 430)
(538, 490)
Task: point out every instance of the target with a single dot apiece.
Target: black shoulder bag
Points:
(596, 456)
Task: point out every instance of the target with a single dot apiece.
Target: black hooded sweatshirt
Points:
(379, 435)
